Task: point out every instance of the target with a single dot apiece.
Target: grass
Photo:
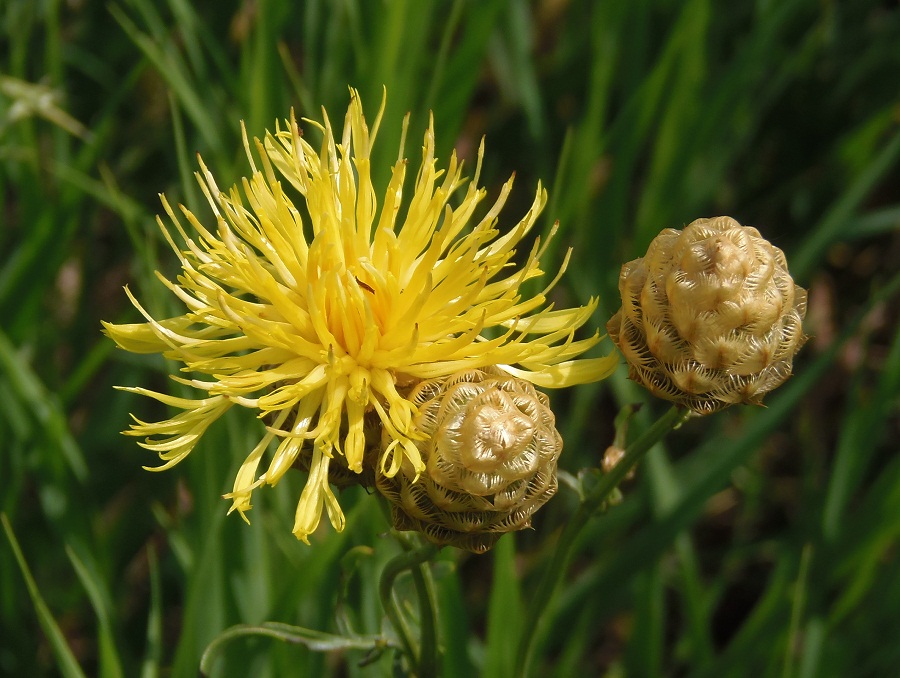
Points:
(756, 542)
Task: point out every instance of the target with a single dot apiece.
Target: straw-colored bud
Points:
(490, 452)
(710, 316)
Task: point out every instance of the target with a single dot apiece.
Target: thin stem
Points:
(591, 502)
(427, 608)
(314, 640)
(423, 658)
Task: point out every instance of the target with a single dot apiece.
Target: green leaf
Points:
(314, 640)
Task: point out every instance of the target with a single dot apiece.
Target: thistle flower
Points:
(710, 316)
(490, 452)
(318, 326)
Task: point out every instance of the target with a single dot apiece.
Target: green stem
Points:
(422, 657)
(427, 609)
(590, 504)
(314, 640)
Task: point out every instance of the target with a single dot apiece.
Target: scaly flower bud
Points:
(490, 453)
(710, 316)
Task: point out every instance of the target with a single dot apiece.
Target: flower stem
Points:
(427, 611)
(590, 504)
(422, 657)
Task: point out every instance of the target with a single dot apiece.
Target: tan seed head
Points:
(490, 456)
(710, 316)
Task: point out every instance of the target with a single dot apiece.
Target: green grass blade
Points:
(175, 73)
(110, 663)
(831, 227)
(644, 654)
(66, 663)
(150, 667)
(505, 612)
(455, 630)
(865, 421)
(42, 405)
(798, 611)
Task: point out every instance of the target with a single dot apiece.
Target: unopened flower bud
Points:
(710, 316)
(490, 453)
(611, 458)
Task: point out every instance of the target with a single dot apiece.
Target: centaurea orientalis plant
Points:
(325, 328)
(398, 352)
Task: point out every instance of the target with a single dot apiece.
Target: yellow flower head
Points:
(315, 325)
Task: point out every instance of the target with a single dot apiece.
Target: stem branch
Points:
(422, 658)
(591, 502)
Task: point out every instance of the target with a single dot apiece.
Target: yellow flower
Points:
(315, 324)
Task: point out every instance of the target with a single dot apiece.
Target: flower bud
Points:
(710, 316)
(490, 449)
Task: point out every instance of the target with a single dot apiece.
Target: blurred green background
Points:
(760, 541)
